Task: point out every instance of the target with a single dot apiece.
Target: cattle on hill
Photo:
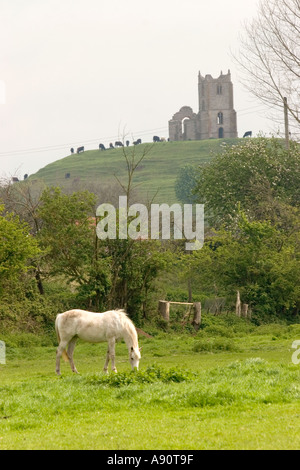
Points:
(156, 138)
(80, 149)
(248, 134)
(102, 147)
(127, 143)
(137, 142)
(119, 144)
(72, 150)
(111, 146)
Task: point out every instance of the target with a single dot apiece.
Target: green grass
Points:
(157, 172)
(184, 396)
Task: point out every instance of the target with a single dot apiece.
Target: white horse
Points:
(95, 328)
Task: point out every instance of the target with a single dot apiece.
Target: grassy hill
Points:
(156, 174)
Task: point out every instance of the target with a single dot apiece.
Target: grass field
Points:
(156, 174)
(227, 387)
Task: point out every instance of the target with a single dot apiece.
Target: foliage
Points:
(185, 184)
(258, 176)
(66, 232)
(17, 249)
(150, 375)
(258, 260)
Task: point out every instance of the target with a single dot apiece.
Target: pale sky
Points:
(81, 72)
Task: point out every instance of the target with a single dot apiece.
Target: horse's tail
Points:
(64, 353)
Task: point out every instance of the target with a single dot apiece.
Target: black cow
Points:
(119, 144)
(156, 138)
(137, 142)
(248, 134)
(72, 150)
(80, 149)
(127, 143)
(102, 147)
(111, 146)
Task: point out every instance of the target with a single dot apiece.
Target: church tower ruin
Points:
(216, 118)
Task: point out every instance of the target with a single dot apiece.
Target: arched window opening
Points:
(219, 89)
(183, 123)
(220, 118)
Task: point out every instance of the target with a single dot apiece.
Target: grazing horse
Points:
(95, 328)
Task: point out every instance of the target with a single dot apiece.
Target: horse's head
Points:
(134, 357)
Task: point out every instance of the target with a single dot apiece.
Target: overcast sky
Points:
(81, 72)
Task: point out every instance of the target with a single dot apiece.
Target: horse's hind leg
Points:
(61, 347)
(70, 352)
(112, 344)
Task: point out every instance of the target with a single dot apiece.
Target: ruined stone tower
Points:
(216, 118)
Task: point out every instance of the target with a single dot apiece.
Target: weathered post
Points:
(245, 310)
(2, 352)
(164, 309)
(238, 305)
(197, 315)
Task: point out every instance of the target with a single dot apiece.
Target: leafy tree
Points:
(258, 260)
(23, 199)
(259, 177)
(185, 184)
(17, 249)
(67, 232)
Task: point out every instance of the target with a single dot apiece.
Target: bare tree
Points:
(269, 57)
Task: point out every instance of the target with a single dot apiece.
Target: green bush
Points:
(214, 345)
(150, 375)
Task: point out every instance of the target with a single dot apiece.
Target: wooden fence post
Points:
(245, 310)
(197, 315)
(164, 309)
(238, 305)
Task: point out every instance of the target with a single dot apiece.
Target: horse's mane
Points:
(128, 320)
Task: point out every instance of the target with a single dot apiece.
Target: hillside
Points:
(156, 174)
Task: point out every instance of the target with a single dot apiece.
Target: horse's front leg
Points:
(106, 362)
(110, 355)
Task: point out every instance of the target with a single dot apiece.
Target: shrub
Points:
(214, 345)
